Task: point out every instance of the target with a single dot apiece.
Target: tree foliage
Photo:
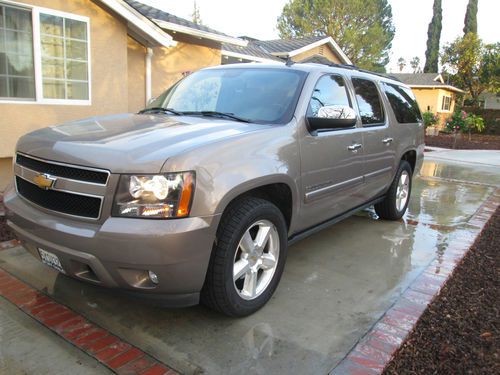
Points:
(470, 22)
(475, 67)
(415, 64)
(433, 37)
(195, 16)
(362, 28)
(401, 63)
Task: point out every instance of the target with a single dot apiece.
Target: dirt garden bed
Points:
(459, 332)
(477, 142)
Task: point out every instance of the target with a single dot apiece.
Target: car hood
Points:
(128, 143)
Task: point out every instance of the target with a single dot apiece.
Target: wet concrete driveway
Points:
(336, 285)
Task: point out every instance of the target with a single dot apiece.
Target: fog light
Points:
(153, 277)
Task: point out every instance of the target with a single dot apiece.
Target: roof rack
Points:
(354, 67)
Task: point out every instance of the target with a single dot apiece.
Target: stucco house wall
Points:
(323, 50)
(431, 99)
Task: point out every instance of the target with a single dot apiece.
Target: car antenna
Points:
(289, 61)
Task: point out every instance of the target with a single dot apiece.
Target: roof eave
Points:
(140, 25)
(444, 87)
(343, 57)
(200, 33)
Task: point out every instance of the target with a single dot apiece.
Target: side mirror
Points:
(333, 117)
(151, 100)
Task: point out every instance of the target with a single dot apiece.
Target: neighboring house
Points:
(62, 60)
(490, 100)
(432, 93)
(319, 49)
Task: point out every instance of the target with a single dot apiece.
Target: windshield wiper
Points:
(217, 114)
(161, 109)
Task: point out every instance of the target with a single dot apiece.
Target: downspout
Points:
(149, 58)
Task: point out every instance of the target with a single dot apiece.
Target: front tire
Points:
(248, 258)
(397, 198)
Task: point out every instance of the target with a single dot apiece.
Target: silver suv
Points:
(198, 196)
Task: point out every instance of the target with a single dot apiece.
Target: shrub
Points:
(474, 123)
(456, 122)
(429, 119)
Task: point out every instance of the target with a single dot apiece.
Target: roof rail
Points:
(354, 67)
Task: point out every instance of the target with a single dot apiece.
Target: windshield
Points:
(256, 95)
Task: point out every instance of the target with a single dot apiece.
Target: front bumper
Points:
(119, 252)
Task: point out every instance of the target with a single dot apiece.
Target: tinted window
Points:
(259, 95)
(369, 103)
(403, 103)
(330, 90)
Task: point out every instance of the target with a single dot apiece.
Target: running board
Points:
(325, 224)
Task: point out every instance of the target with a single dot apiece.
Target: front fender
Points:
(225, 170)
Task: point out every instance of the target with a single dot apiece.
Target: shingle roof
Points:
(286, 45)
(424, 79)
(157, 14)
(427, 79)
(250, 50)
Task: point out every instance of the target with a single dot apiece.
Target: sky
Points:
(257, 18)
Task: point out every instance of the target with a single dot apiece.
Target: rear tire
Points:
(247, 259)
(397, 198)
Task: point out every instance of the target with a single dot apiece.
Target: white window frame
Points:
(443, 103)
(37, 56)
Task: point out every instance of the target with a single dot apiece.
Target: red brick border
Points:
(9, 244)
(110, 350)
(374, 351)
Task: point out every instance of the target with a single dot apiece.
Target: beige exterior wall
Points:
(5, 173)
(169, 64)
(108, 42)
(323, 50)
(136, 60)
(432, 99)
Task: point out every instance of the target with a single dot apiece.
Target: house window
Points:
(446, 104)
(44, 56)
(17, 73)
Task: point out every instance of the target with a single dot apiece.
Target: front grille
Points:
(62, 170)
(67, 203)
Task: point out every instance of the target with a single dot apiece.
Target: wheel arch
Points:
(275, 189)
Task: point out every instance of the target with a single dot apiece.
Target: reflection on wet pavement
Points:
(336, 285)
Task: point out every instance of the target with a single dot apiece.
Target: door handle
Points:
(354, 147)
(387, 141)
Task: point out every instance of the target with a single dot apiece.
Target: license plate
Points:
(51, 260)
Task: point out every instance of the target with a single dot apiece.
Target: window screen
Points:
(64, 58)
(17, 75)
(369, 103)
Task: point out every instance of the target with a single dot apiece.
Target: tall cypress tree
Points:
(433, 37)
(470, 22)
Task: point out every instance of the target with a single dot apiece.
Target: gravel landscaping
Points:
(459, 331)
(477, 142)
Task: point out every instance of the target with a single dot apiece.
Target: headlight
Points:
(154, 196)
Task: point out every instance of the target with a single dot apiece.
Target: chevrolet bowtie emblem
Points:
(44, 181)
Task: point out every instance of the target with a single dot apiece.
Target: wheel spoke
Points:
(262, 236)
(240, 268)
(250, 284)
(268, 261)
(246, 244)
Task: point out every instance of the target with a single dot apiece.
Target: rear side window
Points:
(403, 103)
(369, 103)
(330, 90)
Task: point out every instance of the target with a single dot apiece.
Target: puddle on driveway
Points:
(336, 284)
